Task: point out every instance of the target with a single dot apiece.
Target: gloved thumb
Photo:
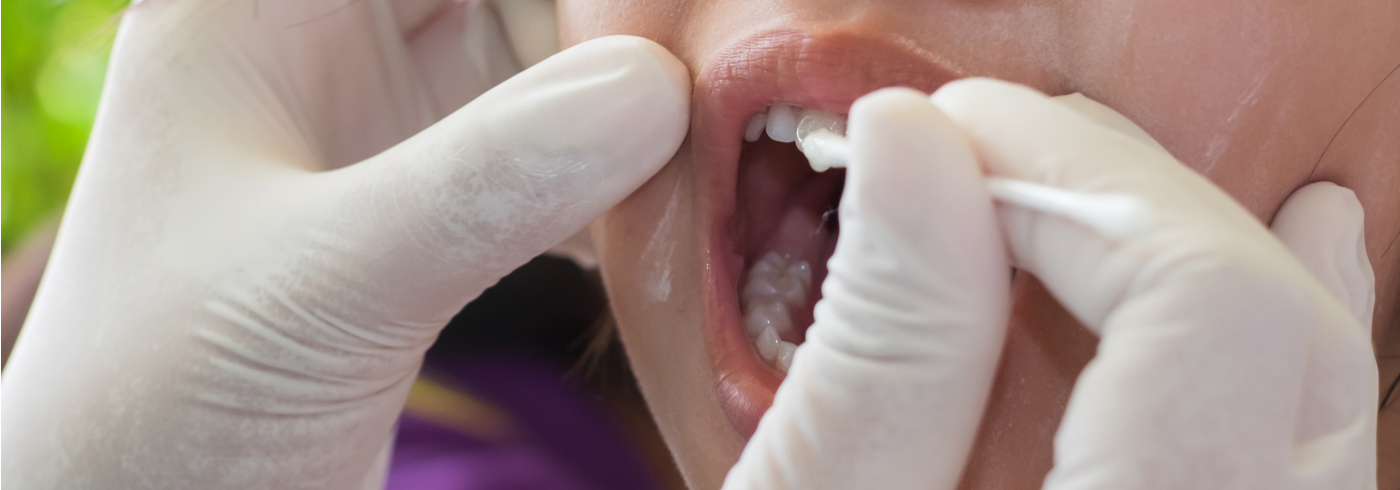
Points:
(430, 223)
(1322, 224)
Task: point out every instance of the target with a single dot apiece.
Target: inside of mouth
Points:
(786, 228)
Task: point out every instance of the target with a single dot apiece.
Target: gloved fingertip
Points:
(973, 96)
(646, 50)
(591, 124)
(1323, 224)
(914, 184)
(641, 111)
(1107, 117)
(902, 147)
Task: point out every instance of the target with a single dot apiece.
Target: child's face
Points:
(1248, 93)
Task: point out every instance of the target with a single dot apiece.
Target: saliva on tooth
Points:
(819, 135)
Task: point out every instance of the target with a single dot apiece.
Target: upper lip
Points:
(821, 67)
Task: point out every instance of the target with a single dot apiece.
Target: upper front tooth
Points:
(814, 120)
(755, 128)
(782, 123)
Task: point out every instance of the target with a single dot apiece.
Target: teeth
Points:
(756, 125)
(825, 150)
(770, 264)
(819, 135)
(801, 270)
(767, 343)
(761, 288)
(785, 351)
(792, 290)
(814, 121)
(782, 123)
(767, 316)
(775, 285)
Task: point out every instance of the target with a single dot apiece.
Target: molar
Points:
(785, 352)
(770, 264)
(801, 270)
(766, 316)
(760, 288)
(792, 291)
(767, 343)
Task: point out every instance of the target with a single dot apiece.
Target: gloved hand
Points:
(221, 313)
(1225, 361)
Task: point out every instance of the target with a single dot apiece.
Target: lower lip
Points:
(826, 69)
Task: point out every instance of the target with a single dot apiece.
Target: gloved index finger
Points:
(1024, 136)
(1206, 321)
(890, 385)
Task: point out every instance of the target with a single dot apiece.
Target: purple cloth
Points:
(566, 440)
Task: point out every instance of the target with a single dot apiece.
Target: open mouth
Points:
(768, 216)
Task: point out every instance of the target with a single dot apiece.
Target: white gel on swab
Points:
(1115, 216)
(825, 150)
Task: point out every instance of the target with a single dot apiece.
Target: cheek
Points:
(650, 259)
(581, 20)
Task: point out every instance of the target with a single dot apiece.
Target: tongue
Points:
(802, 233)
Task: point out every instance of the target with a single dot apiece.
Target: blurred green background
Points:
(54, 59)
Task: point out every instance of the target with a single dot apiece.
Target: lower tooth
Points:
(775, 284)
(767, 343)
(761, 288)
(792, 291)
(785, 351)
(766, 316)
(801, 270)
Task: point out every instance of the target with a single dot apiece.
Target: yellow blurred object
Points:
(459, 410)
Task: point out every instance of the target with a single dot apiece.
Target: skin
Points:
(1260, 98)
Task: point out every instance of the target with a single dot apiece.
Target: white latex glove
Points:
(888, 388)
(219, 313)
(1224, 362)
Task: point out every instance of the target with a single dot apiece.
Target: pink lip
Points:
(825, 68)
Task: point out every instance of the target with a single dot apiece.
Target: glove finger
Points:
(1322, 223)
(1108, 187)
(890, 385)
(1109, 118)
(1206, 321)
(441, 216)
